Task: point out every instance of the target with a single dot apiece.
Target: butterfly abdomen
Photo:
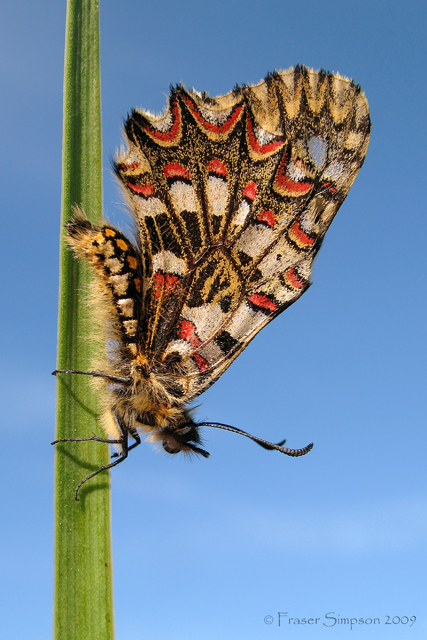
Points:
(118, 269)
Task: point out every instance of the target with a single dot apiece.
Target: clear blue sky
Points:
(207, 549)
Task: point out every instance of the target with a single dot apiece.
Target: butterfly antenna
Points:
(295, 453)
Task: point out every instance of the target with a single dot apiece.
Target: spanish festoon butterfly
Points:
(231, 198)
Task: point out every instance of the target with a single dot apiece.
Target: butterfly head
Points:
(183, 439)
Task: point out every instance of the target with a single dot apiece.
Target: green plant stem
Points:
(83, 605)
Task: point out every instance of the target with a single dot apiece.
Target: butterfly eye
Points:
(170, 445)
(183, 440)
(179, 440)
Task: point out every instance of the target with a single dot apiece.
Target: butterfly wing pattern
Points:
(231, 198)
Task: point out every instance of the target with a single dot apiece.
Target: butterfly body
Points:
(148, 398)
(231, 198)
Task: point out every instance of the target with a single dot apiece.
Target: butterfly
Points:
(231, 198)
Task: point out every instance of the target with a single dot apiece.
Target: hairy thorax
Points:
(151, 403)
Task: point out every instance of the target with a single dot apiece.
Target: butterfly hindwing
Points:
(232, 198)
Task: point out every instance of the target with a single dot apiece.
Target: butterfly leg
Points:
(123, 441)
(135, 435)
(95, 473)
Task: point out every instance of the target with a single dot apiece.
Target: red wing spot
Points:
(163, 284)
(261, 149)
(131, 166)
(293, 279)
(328, 186)
(285, 183)
(174, 131)
(188, 333)
(218, 167)
(263, 302)
(171, 281)
(297, 234)
(267, 217)
(250, 191)
(214, 128)
(176, 170)
(146, 190)
(202, 365)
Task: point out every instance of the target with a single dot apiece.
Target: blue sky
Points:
(209, 548)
